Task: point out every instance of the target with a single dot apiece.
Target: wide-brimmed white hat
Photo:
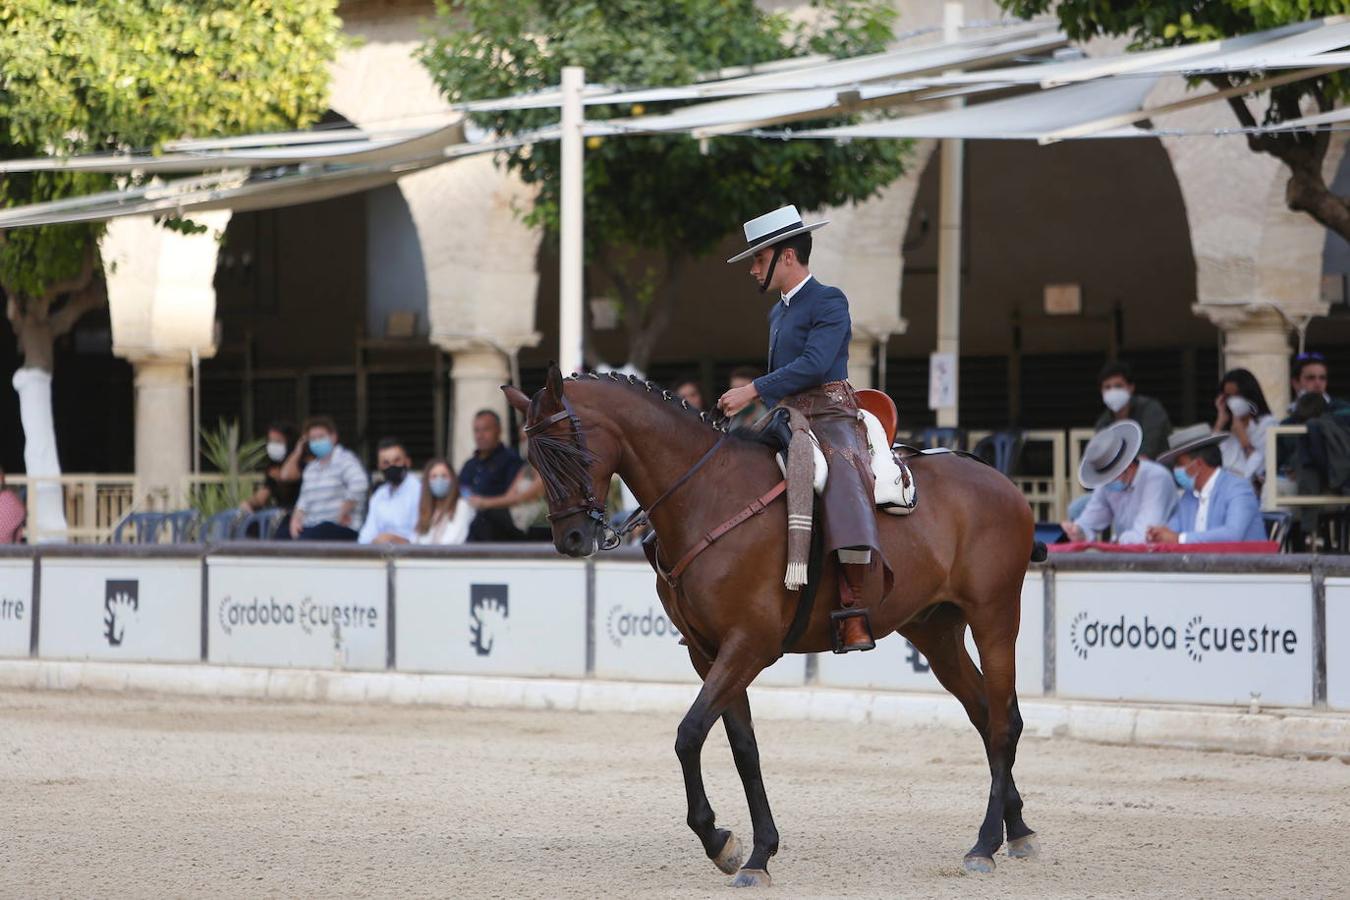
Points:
(772, 228)
(1109, 453)
(1189, 439)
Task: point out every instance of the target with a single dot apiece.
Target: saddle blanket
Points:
(896, 492)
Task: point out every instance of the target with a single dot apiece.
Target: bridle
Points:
(610, 536)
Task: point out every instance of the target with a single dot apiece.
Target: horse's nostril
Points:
(572, 540)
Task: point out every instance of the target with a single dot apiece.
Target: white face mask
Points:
(1240, 407)
(1115, 398)
(276, 451)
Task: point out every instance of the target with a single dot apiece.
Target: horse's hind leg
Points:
(1005, 726)
(745, 751)
(724, 682)
(941, 638)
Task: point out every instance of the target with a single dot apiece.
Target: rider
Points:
(809, 331)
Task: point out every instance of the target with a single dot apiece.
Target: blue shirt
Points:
(491, 477)
(1147, 501)
(808, 341)
(393, 510)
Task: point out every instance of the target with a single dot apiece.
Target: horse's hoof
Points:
(1024, 847)
(979, 865)
(752, 878)
(729, 860)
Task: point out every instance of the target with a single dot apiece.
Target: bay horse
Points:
(959, 560)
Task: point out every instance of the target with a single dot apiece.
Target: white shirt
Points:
(1202, 512)
(393, 510)
(1239, 462)
(450, 529)
(1147, 501)
(787, 298)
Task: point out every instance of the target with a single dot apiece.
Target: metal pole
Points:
(949, 241)
(571, 222)
(196, 412)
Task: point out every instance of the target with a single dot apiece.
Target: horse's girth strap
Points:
(756, 506)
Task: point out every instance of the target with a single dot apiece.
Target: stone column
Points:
(163, 429)
(862, 359)
(1254, 338)
(477, 372)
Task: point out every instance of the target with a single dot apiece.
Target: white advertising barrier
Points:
(311, 613)
(1184, 638)
(16, 606)
(142, 610)
(897, 665)
(635, 639)
(1338, 643)
(498, 617)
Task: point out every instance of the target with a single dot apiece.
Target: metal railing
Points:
(1048, 495)
(1271, 497)
(93, 503)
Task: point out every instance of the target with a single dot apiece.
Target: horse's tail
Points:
(1039, 552)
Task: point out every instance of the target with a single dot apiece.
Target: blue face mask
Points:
(320, 447)
(1183, 479)
(440, 487)
(1115, 487)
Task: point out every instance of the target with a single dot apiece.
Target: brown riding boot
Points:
(852, 630)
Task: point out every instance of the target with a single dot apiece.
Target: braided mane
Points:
(715, 421)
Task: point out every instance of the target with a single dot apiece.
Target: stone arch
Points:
(478, 256)
(1258, 264)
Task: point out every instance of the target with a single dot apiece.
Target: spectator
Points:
(12, 514)
(1133, 493)
(332, 488)
(1243, 419)
(524, 505)
(489, 473)
(441, 517)
(392, 516)
(1117, 385)
(281, 478)
(689, 391)
(740, 377)
(1308, 375)
(1216, 506)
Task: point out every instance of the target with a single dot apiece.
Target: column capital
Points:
(500, 343)
(1258, 316)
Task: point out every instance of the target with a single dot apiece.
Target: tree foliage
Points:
(115, 75)
(1161, 23)
(666, 195)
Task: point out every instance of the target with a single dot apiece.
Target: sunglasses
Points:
(1311, 356)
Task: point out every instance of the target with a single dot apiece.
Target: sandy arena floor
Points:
(134, 796)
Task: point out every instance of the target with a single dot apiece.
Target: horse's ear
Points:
(554, 384)
(516, 397)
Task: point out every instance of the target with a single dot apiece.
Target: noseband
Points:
(594, 510)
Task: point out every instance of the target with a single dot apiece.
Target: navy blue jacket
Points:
(491, 477)
(808, 342)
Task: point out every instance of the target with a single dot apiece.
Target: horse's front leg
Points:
(724, 680)
(745, 751)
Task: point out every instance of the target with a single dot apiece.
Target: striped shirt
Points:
(327, 483)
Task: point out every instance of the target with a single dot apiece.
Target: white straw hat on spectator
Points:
(1189, 439)
(1109, 453)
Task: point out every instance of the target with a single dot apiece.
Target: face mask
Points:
(1116, 398)
(440, 487)
(1183, 479)
(1240, 406)
(320, 447)
(394, 474)
(1115, 487)
(276, 451)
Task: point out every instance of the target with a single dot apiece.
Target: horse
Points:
(959, 560)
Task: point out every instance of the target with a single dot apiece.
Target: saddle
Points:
(896, 492)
